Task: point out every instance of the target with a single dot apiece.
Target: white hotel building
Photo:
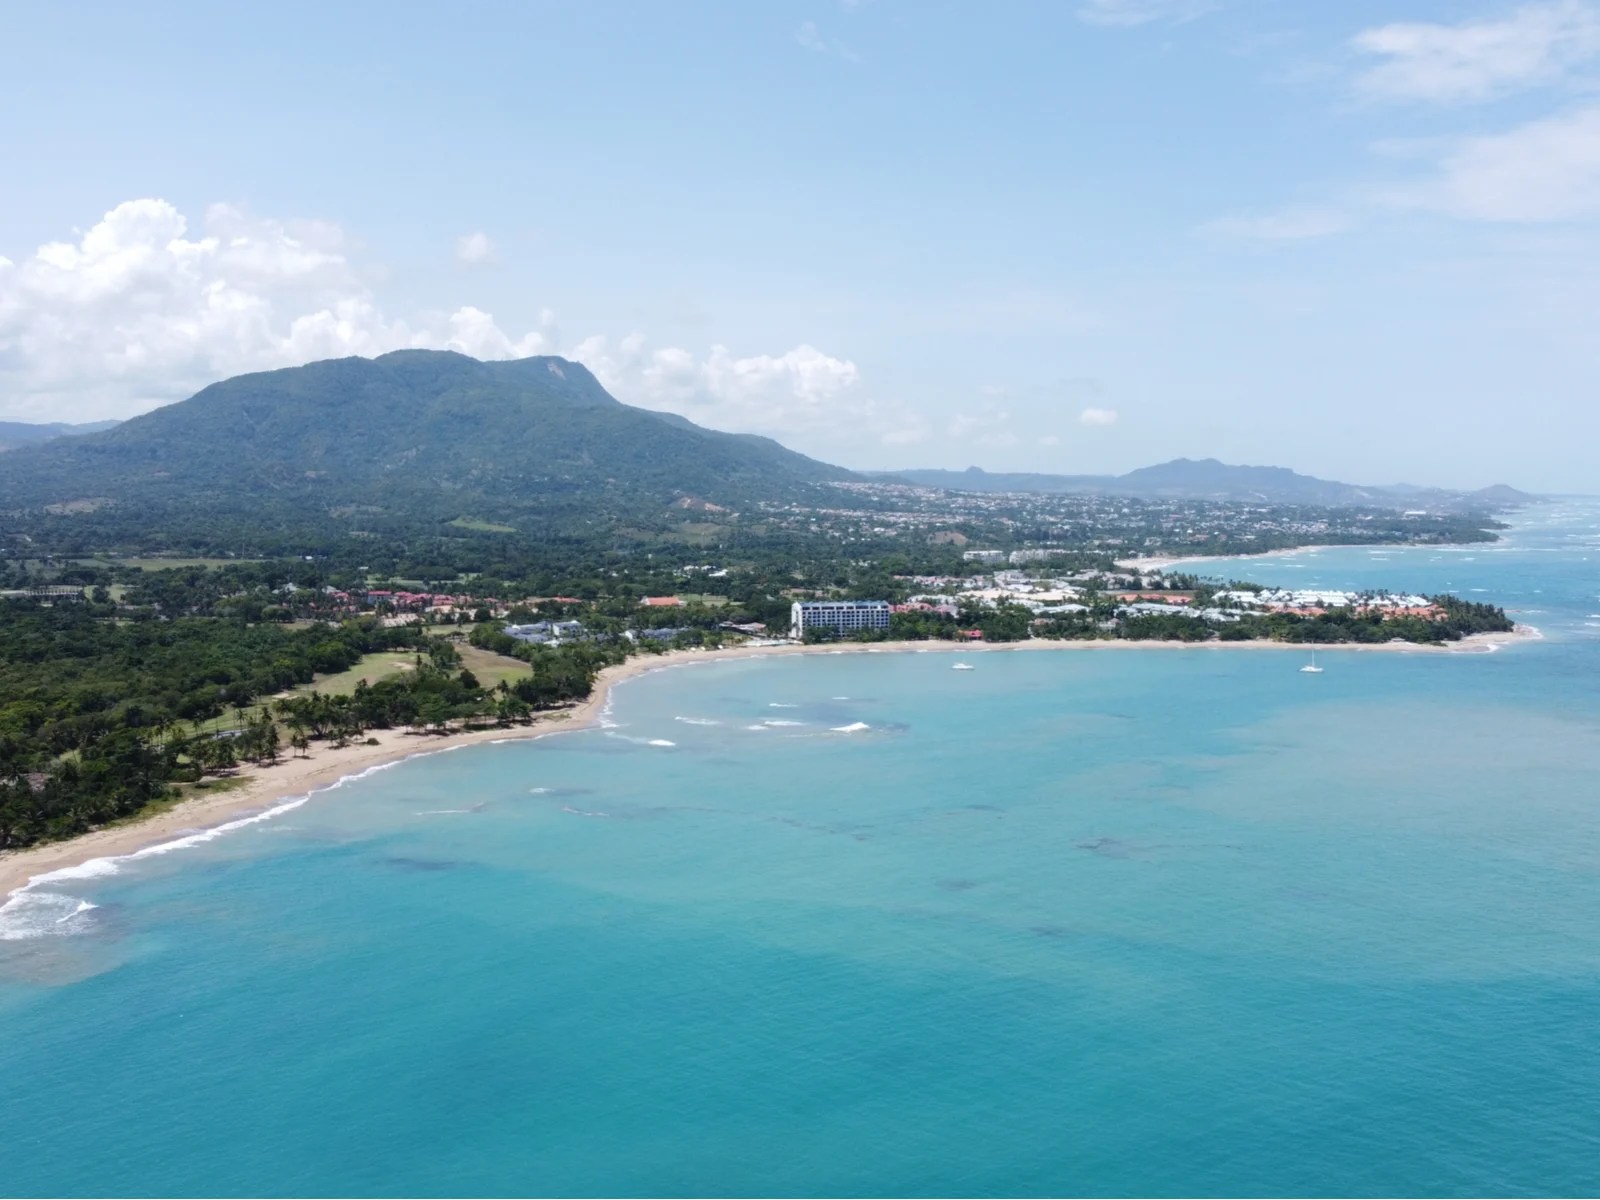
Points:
(846, 616)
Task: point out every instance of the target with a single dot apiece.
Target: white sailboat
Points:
(1311, 667)
(963, 667)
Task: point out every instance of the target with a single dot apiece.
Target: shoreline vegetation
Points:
(257, 787)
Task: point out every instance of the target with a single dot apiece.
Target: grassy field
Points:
(371, 668)
(173, 564)
(491, 668)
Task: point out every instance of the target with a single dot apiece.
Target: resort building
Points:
(542, 633)
(846, 616)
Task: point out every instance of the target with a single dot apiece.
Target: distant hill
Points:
(1501, 493)
(536, 444)
(19, 433)
(1207, 479)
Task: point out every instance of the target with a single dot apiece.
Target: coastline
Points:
(1160, 562)
(262, 788)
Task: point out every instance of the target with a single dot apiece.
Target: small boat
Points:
(1311, 667)
(963, 667)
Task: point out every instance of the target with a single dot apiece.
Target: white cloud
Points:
(810, 38)
(1098, 418)
(473, 332)
(990, 428)
(1288, 225)
(1546, 170)
(1477, 60)
(137, 312)
(905, 435)
(803, 393)
(1142, 12)
(475, 250)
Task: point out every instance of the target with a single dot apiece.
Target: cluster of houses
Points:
(1053, 597)
(547, 633)
(1015, 557)
(1313, 603)
(401, 601)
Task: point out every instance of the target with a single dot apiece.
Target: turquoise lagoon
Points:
(1150, 921)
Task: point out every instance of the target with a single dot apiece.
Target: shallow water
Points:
(1146, 921)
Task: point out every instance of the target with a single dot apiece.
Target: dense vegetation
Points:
(99, 717)
(412, 445)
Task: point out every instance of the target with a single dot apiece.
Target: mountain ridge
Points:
(1206, 479)
(432, 433)
(15, 434)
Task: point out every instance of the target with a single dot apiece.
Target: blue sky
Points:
(1358, 239)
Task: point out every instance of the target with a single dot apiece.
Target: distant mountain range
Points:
(427, 436)
(436, 443)
(19, 433)
(1208, 479)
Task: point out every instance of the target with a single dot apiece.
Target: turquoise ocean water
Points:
(1145, 921)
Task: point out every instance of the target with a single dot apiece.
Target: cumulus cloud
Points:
(989, 427)
(1288, 225)
(473, 332)
(1547, 170)
(1142, 12)
(139, 311)
(1098, 418)
(1478, 60)
(803, 393)
(475, 250)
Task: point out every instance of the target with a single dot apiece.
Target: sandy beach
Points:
(1162, 561)
(259, 788)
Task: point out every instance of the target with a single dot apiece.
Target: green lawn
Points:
(371, 668)
(170, 564)
(491, 668)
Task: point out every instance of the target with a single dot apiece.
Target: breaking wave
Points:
(21, 916)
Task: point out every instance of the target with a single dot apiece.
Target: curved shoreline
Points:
(263, 788)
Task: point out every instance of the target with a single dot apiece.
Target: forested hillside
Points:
(407, 444)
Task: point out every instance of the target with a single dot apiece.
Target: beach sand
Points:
(259, 788)
(1160, 562)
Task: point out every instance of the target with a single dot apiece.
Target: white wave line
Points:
(111, 864)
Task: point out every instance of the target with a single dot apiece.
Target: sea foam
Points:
(19, 915)
(33, 911)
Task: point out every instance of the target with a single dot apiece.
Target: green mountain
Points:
(1208, 479)
(20, 433)
(414, 440)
